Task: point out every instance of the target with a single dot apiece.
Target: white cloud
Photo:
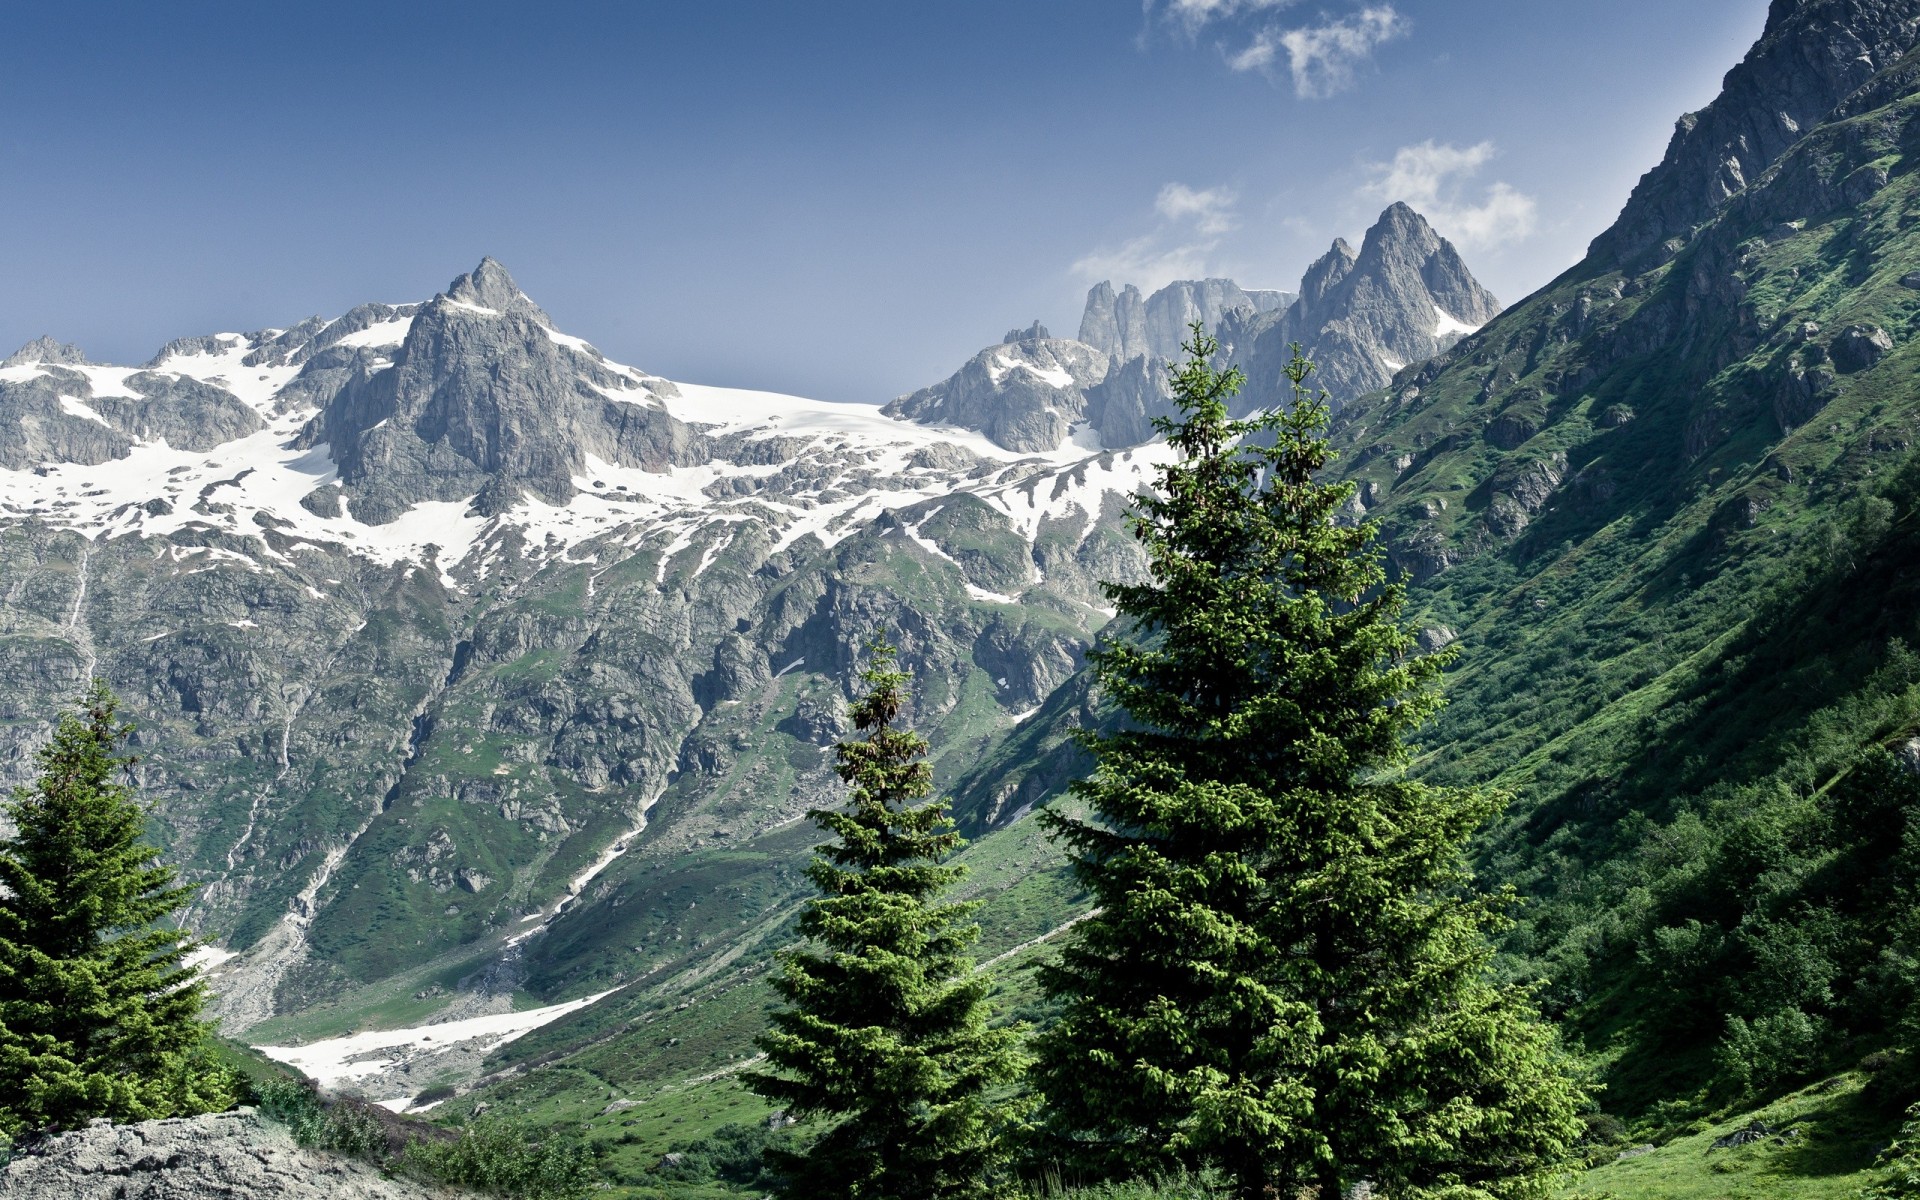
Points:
(1146, 262)
(1434, 178)
(1196, 14)
(1211, 210)
(1192, 221)
(1321, 58)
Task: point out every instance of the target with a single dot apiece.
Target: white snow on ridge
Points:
(256, 386)
(332, 1061)
(1054, 377)
(382, 333)
(853, 464)
(73, 406)
(1449, 324)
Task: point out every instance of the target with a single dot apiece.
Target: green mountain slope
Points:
(1667, 508)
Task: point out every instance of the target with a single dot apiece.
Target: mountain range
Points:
(483, 682)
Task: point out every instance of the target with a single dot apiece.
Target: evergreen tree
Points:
(98, 1015)
(886, 1024)
(1287, 975)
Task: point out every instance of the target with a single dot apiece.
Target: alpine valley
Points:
(483, 683)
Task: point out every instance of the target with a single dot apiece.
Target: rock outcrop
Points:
(484, 399)
(1404, 297)
(224, 1156)
(1025, 395)
(1812, 55)
(1126, 326)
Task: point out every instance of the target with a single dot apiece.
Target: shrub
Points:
(507, 1159)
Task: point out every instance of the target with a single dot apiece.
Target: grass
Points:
(1826, 1138)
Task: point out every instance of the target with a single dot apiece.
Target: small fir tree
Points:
(885, 1028)
(99, 1017)
(1287, 975)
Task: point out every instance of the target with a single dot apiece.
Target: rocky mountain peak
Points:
(1326, 272)
(1126, 326)
(1032, 333)
(482, 400)
(44, 349)
(1403, 297)
(1812, 55)
(489, 285)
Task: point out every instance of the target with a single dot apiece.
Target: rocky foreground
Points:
(235, 1155)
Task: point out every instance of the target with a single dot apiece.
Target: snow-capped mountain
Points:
(420, 611)
(1361, 317)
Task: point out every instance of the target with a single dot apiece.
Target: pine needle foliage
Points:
(99, 1016)
(886, 1026)
(1287, 975)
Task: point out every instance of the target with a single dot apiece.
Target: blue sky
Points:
(837, 199)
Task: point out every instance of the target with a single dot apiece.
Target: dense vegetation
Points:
(886, 1030)
(1286, 976)
(99, 1017)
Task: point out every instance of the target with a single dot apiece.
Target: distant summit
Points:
(1812, 55)
(1405, 296)
(45, 350)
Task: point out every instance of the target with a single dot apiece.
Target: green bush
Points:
(1899, 1164)
(507, 1159)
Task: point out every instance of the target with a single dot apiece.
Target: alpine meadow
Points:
(1355, 740)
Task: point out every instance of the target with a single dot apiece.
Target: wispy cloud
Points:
(1210, 210)
(1435, 178)
(1194, 15)
(1322, 58)
(1192, 221)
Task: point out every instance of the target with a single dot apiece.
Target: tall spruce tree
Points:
(1287, 975)
(885, 1029)
(99, 1017)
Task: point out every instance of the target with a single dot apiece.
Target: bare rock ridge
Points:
(225, 1156)
(1127, 326)
(1404, 297)
(1811, 56)
(484, 399)
(44, 349)
(1362, 317)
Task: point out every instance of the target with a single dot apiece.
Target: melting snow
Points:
(74, 406)
(1451, 324)
(337, 1060)
(384, 333)
(1054, 377)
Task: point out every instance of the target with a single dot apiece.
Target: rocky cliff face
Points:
(482, 400)
(1027, 394)
(1403, 298)
(435, 621)
(1810, 57)
(1125, 326)
(1362, 317)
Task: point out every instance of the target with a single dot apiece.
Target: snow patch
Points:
(1450, 324)
(384, 333)
(73, 406)
(332, 1061)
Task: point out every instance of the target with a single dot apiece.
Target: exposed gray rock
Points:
(44, 349)
(1858, 347)
(1122, 406)
(1115, 324)
(1811, 56)
(484, 399)
(1032, 333)
(1403, 298)
(56, 417)
(225, 1156)
(1023, 395)
(1127, 327)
